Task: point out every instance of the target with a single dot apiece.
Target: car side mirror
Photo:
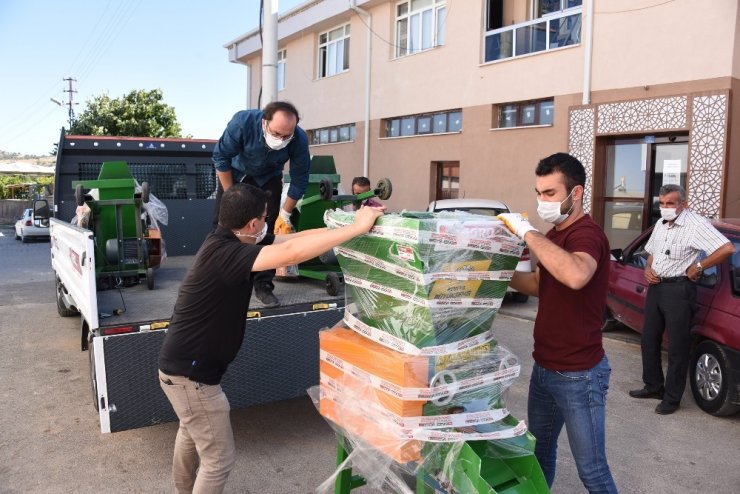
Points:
(41, 212)
(618, 255)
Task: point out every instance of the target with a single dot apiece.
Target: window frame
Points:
(332, 134)
(324, 55)
(394, 127)
(403, 27)
(282, 57)
(517, 108)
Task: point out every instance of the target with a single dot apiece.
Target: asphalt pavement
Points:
(50, 440)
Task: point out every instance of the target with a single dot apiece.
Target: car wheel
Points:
(62, 308)
(610, 324)
(711, 379)
(519, 297)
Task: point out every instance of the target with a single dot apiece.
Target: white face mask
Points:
(274, 143)
(550, 211)
(668, 214)
(257, 238)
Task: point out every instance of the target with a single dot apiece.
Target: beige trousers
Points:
(204, 447)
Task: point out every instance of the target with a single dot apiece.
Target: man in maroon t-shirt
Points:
(571, 373)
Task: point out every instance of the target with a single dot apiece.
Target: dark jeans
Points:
(670, 306)
(576, 399)
(275, 187)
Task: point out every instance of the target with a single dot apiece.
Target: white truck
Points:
(122, 327)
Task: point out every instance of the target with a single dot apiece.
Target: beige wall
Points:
(641, 50)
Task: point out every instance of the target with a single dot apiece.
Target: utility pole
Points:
(70, 102)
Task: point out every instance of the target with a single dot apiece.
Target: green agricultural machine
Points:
(321, 195)
(126, 249)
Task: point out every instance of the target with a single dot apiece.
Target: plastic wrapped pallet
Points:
(428, 279)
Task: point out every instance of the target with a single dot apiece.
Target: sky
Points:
(113, 47)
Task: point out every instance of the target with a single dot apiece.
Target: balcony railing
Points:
(538, 35)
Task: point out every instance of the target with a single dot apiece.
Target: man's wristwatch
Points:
(699, 267)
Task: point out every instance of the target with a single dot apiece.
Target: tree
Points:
(139, 113)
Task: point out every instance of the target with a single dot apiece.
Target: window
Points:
(419, 25)
(423, 124)
(546, 7)
(522, 114)
(448, 180)
(281, 59)
(334, 51)
(331, 135)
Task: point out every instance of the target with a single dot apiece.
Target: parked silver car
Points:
(486, 207)
(29, 227)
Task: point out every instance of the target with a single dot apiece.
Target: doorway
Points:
(446, 180)
(634, 169)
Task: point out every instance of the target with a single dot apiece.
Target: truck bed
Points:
(144, 305)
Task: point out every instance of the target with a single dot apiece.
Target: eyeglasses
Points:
(278, 136)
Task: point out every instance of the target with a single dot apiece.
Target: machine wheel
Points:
(150, 278)
(79, 195)
(62, 308)
(93, 380)
(384, 189)
(326, 189)
(712, 379)
(332, 284)
(144, 192)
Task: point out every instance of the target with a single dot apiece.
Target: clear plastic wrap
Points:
(429, 279)
(409, 416)
(415, 384)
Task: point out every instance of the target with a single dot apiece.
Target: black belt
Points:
(674, 279)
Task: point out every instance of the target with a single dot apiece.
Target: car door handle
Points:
(639, 289)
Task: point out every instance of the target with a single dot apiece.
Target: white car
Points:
(486, 207)
(28, 227)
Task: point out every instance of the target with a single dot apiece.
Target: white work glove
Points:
(517, 223)
(285, 217)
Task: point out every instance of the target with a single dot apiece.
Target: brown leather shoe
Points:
(646, 393)
(665, 408)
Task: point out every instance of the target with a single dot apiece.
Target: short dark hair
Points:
(668, 188)
(241, 203)
(269, 111)
(361, 181)
(566, 164)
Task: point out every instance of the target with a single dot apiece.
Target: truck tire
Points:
(712, 379)
(62, 308)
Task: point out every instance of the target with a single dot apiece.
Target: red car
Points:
(714, 371)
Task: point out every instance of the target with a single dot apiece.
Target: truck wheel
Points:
(79, 196)
(62, 308)
(712, 379)
(333, 284)
(384, 189)
(93, 380)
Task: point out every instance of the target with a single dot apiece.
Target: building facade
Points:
(452, 98)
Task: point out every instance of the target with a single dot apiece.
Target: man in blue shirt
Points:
(254, 149)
